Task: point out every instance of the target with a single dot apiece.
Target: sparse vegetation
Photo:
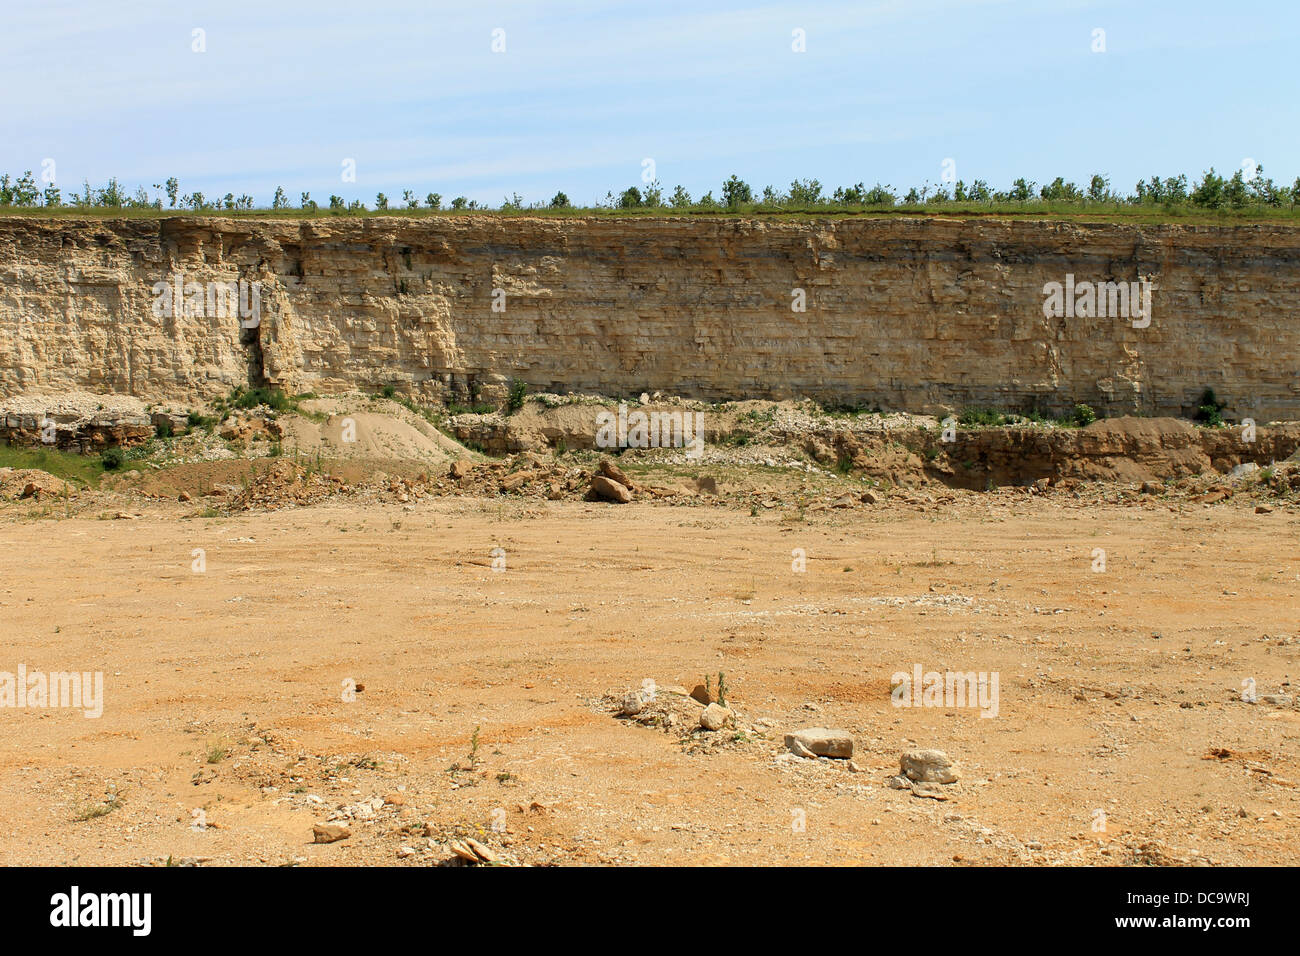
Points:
(95, 810)
(1209, 409)
(981, 417)
(518, 395)
(1084, 415)
(71, 467)
(248, 398)
(1212, 197)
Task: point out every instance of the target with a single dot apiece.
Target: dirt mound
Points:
(31, 483)
(380, 430)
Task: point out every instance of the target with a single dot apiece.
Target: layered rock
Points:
(902, 313)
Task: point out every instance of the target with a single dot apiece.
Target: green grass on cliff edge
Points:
(1040, 210)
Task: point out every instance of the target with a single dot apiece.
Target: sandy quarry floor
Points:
(1119, 691)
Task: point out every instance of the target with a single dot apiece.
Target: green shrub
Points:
(163, 429)
(518, 395)
(1209, 408)
(982, 416)
(112, 458)
(253, 397)
(1084, 415)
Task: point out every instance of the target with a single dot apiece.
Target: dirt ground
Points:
(485, 700)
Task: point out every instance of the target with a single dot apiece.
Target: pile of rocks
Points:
(526, 475)
(703, 723)
(611, 483)
(31, 483)
(287, 483)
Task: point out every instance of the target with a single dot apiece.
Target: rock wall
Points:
(909, 314)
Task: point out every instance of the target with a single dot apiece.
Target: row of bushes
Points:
(1211, 192)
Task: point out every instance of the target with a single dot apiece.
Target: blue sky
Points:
(586, 90)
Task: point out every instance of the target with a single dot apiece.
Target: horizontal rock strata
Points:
(903, 313)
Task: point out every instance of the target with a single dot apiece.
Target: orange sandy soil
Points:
(224, 688)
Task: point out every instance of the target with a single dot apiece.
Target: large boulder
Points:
(606, 489)
(614, 473)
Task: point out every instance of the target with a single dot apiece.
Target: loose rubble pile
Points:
(31, 483)
(290, 482)
(701, 722)
(286, 483)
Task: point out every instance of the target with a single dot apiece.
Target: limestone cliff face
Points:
(908, 314)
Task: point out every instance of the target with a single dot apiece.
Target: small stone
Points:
(631, 705)
(714, 717)
(461, 469)
(843, 501)
(1151, 488)
(870, 498)
(928, 766)
(931, 790)
(702, 694)
(183, 496)
(1263, 510)
(463, 851)
(820, 742)
(472, 851)
(329, 833)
